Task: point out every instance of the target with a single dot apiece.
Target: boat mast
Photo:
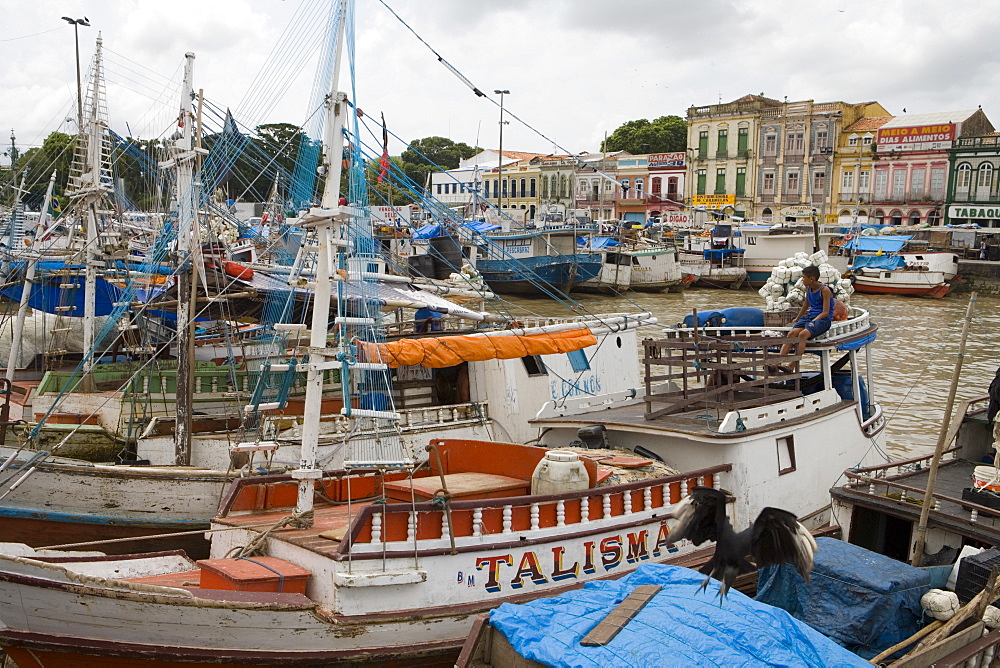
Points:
(99, 187)
(186, 222)
(322, 219)
(29, 276)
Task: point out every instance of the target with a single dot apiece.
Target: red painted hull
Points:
(935, 291)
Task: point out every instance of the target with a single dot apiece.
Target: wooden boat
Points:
(533, 261)
(655, 268)
(883, 269)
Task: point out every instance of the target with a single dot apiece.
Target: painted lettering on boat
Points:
(541, 568)
(562, 388)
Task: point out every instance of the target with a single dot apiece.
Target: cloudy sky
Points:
(576, 69)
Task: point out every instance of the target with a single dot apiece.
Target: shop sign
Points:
(713, 201)
(665, 159)
(917, 137)
(966, 211)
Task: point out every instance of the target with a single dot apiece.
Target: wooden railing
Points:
(429, 528)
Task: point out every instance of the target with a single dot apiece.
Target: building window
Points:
(869, 138)
(626, 185)
(655, 185)
(794, 142)
(504, 190)
(562, 185)
(524, 183)
(964, 176)
(852, 140)
(532, 186)
(914, 218)
(741, 181)
(847, 181)
(917, 182)
(770, 144)
(937, 183)
(985, 175)
(821, 139)
(720, 182)
(792, 183)
(934, 217)
(640, 183)
(702, 177)
(439, 189)
(819, 182)
(881, 183)
(864, 180)
(486, 189)
(742, 140)
(768, 185)
(672, 187)
(898, 185)
(703, 144)
(723, 148)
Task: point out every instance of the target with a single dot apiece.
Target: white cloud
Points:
(575, 68)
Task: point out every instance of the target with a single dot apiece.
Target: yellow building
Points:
(852, 168)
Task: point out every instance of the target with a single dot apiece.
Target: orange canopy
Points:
(443, 351)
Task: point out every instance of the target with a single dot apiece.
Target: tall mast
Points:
(186, 223)
(322, 219)
(29, 276)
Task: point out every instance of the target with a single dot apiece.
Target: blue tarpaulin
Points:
(598, 243)
(886, 244)
(481, 226)
(886, 262)
(427, 232)
(864, 601)
(681, 626)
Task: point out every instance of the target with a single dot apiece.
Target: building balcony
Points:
(722, 155)
(766, 198)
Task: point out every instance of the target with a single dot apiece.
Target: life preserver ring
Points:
(237, 270)
(848, 237)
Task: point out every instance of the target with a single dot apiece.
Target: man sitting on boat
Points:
(819, 301)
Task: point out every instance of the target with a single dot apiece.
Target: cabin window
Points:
(786, 454)
(578, 358)
(534, 365)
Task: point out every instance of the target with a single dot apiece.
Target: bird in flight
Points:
(775, 537)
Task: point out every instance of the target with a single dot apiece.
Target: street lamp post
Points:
(501, 93)
(76, 23)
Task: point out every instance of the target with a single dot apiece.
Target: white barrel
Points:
(559, 471)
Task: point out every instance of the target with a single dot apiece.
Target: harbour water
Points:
(913, 358)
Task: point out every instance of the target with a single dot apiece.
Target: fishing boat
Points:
(766, 245)
(713, 259)
(656, 267)
(615, 276)
(518, 262)
(880, 268)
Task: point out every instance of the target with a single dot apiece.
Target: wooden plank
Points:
(929, 655)
(617, 619)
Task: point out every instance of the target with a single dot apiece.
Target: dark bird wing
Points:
(700, 516)
(994, 393)
(777, 538)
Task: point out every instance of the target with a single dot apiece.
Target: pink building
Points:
(666, 182)
(910, 168)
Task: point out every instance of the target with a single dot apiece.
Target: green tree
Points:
(667, 134)
(56, 152)
(431, 154)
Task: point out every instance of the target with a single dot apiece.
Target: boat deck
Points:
(696, 422)
(332, 520)
(902, 495)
